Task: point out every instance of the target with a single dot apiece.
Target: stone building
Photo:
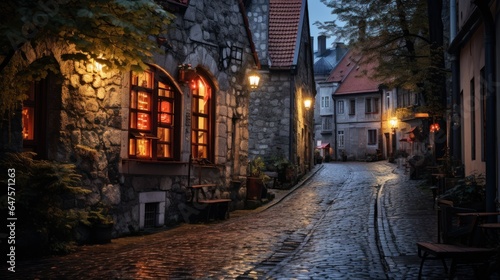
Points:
(131, 134)
(325, 61)
(475, 48)
(279, 123)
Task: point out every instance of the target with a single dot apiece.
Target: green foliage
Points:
(470, 190)
(117, 33)
(256, 168)
(41, 189)
(97, 215)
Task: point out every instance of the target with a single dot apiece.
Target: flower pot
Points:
(254, 188)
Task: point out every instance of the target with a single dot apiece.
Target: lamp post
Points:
(393, 122)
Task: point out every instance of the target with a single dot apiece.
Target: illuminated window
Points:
(152, 116)
(29, 115)
(34, 118)
(201, 126)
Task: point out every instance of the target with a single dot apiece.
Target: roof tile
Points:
(284, 17)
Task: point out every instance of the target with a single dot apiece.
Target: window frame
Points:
(209, 116)
(341, 138)
(340, 107)
(372, 137)
(150, 136)
(352, 106)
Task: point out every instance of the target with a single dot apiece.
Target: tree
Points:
(116, 33)
(395, 34)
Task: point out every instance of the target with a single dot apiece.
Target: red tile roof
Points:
(354, 77)
(345, 65)
(284, 22)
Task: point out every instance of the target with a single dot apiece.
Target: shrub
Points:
(42, 188)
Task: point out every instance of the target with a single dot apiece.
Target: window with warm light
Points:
(201, 122)
(34, 116)
(28, 119)
(152, 116)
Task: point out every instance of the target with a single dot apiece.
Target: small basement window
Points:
(150, 214)
(151, 209)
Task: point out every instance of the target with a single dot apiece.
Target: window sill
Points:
(154, 167)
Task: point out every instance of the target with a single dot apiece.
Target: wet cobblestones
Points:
(324, 229)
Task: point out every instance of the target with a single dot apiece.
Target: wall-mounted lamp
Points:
(394, 124)
(253, 79)
(307, 103)
(186, 73)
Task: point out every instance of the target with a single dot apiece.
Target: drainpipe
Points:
(335, 127)
(489, 72)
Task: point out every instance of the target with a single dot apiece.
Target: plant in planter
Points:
(284, 167)
(256, 178)
(317, 157)
(469, 192)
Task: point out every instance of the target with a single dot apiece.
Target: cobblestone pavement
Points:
(323, 229)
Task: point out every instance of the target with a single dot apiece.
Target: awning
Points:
(411, 130)
(323, 146)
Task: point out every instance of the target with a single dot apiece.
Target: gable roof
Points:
(353, 77)
(285, 24)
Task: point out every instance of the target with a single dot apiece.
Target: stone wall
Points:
(90, 122)
(270, 109)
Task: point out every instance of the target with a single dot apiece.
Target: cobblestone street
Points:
(324, 229)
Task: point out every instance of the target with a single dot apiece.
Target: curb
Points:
(294, 188)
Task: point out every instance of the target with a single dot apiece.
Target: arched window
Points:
(34, 118)
(202, 127)
(154, 117)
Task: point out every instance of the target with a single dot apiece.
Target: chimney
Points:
(340, 50)
(321, 44)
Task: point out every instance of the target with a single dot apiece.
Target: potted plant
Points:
(282, 165)
(256, 178)
(468, 193)
(317, 157)
(100, 224)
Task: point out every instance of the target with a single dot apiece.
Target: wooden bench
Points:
(457, 253)
(209, 207)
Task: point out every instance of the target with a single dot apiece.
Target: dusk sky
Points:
(319, 12)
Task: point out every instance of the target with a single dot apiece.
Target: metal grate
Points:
(150, 214)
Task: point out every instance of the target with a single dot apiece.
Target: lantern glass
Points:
(253, 79)
(393, 122)
(307, 103)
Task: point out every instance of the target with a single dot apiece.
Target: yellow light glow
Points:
(393, 122)
(253, 79)
(307, 103)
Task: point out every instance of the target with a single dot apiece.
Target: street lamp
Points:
(307, 103)
(253, 79)
(394, 124)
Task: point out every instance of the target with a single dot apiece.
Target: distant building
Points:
(325, 61)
